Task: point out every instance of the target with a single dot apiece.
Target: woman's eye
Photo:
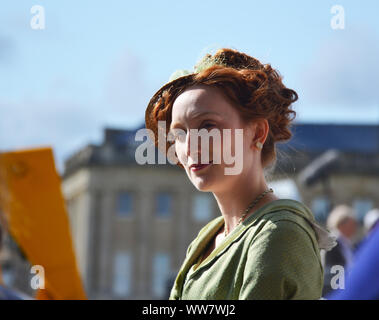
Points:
(207, 125)
(181, 137)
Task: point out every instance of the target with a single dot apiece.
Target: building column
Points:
(143, 244)
(105, 245)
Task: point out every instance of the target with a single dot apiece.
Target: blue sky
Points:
(97, 63)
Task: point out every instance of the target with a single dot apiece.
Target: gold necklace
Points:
(245, 212)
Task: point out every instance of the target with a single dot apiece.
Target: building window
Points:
(320, 207)
(361, 207)
(122, 274)
(202, 207)
(163, 205)
(125, 204)
(161, 274)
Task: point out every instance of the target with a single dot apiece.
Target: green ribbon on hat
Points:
(179, 73)
(205, 63)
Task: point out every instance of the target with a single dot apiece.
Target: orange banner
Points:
(35, 214)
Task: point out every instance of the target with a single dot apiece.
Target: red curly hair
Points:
(256, 90)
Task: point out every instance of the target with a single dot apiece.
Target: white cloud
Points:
(125, 91)
(345, 70)
(68, 117)
(63, 125)
(6, 49)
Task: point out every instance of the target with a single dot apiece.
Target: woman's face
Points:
(204, 107)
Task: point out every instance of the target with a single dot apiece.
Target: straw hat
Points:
(182, 79)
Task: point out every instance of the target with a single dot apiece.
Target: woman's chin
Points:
(203, 188)
(202, 184)
(203, 180)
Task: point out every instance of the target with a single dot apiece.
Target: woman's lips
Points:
(198, 167)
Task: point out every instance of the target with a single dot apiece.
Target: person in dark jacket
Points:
(5, 292)
(363, 280)
(342, 223)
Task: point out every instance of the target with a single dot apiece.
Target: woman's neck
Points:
(233, 202)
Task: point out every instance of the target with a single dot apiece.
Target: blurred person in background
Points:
(7, 293)
(342, 223)
(362, 282)
(371, 220)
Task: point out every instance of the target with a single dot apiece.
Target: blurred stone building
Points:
(340, 164)
(132, 223)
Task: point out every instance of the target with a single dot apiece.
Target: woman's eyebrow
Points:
(196, 116)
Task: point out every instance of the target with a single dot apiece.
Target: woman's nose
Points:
(188, 144)
(191, 151)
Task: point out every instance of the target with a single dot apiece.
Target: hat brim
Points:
(151, 123)
(150, 120)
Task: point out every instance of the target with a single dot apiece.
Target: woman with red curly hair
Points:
(260, 247)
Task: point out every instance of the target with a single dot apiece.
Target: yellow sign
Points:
(34, 211)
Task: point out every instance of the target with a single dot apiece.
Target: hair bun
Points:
(238, 60)
(260, 91)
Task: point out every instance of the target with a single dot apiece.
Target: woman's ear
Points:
(260, 129)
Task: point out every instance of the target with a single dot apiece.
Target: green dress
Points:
(273, 254)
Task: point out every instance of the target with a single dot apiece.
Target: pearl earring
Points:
(259, 145)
